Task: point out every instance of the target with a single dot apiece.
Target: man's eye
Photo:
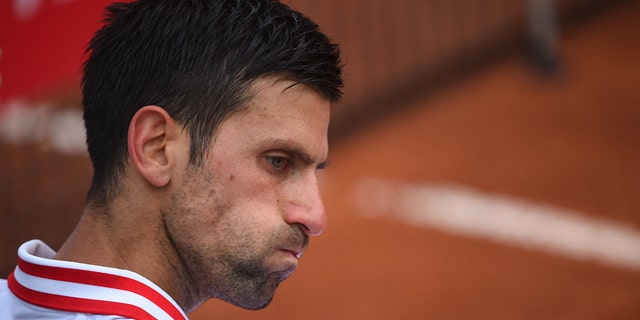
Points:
(279, 163)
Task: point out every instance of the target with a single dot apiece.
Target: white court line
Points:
(503, 219)
(59, 129)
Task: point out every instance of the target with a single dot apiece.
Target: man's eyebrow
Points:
(306, 158)
(297, 151)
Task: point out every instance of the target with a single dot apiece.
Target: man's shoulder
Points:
(5, 296)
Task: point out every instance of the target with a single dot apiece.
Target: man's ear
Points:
(151, 130)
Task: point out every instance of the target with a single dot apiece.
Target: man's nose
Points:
(306, 206)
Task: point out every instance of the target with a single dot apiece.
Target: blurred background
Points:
(485, 160)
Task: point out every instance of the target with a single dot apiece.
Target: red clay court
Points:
(506, 193)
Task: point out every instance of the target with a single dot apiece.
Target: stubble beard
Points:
(248, 284)
(229, 274)
(245, 281)
(239, 279)
(214, 270)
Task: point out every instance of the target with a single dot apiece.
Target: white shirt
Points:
(43, 288)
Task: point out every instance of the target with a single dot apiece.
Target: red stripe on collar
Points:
(87, 305)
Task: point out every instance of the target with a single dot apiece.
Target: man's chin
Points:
(258, 298)
(253, 303)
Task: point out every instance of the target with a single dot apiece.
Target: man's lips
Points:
(296, 253)
(296, 244)
(291, 265)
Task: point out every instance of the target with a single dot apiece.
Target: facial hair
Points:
(232, 263)
(252, 285)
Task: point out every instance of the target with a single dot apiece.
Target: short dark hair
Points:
(197, 60)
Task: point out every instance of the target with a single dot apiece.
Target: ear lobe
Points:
(150, 131)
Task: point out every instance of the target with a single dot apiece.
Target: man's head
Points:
(206, 125)
(197, 59)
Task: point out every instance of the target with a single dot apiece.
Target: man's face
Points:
(240, 222)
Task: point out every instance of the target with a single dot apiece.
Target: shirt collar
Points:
(84, 288)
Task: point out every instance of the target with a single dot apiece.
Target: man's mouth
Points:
(294, 252)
